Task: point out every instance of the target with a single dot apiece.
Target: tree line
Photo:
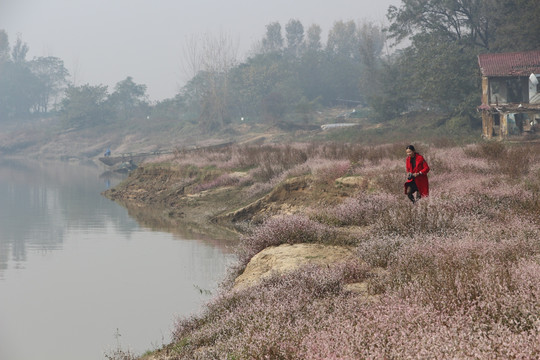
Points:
(292, 71)
(27, 86)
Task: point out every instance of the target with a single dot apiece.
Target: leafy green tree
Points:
(516, 25)
(244, 87)
(85, 106)
(19, 52)
(310, 73)
(342, 40)
(274, 106)
(442, 74)
(313, 39)
(392, 95)
(169, 109)
(252, 81)
(273, 40)
(19, 91)
(294, 32)
(19, 87)
(342, 78)
(313, 76)
(441, 60)
(4, 46)
(312, 67)
(53, 78)
(207, 98)
(129, 99)
(371, 40)
(26, 87)
(453, 20)
(341, 68)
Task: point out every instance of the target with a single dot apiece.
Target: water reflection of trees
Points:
(27, 204)
(41, 200)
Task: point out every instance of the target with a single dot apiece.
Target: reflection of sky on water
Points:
(75, 267)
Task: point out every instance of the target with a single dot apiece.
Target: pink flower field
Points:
(454, 276)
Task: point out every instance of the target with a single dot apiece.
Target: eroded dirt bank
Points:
(168, 196)
(163, 196)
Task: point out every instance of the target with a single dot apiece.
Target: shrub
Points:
(390, 182)
(491, 150)
(359, 211)
(450, 273)
(426, 216)
(401, 329)
(380, 251)
(291, 229)
(516, 163)
(264, 321)
(326, 172)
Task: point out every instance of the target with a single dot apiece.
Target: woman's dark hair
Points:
(410, 147)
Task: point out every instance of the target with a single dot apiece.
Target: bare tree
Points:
(208, 61)
(209, 54)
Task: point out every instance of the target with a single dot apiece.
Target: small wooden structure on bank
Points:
(510, 93)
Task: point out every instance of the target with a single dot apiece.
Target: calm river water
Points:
(80, 278)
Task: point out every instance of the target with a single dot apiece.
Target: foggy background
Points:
(104, 41)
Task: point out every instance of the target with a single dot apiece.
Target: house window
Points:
(505, 90)
(497, 91)
(514, 90)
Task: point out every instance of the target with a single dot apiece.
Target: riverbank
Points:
(212, 197)
(454, 275)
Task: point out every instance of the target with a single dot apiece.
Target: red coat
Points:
(421, 181)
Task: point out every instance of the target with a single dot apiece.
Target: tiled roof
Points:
(510, 64)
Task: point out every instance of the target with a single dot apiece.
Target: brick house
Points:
(510, 93)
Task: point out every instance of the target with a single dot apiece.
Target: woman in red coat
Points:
(417, 180)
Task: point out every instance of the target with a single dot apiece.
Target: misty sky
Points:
(104, 41)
